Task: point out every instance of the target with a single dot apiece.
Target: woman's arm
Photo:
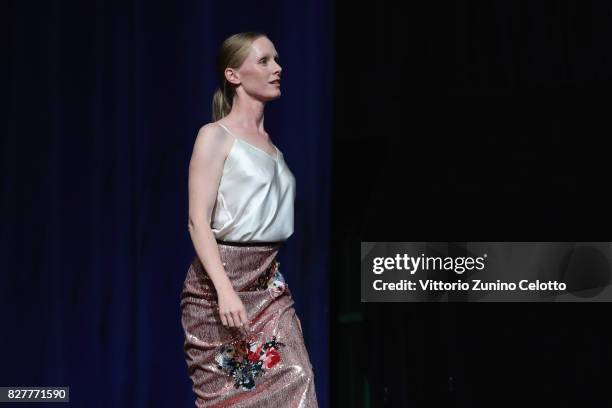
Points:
(205, 170)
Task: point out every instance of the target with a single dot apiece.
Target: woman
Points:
(243, 340)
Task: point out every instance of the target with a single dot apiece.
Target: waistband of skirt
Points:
(249, 243)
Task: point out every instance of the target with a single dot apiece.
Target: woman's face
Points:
(259, 69)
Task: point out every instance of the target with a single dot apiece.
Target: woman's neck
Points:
(248, 116)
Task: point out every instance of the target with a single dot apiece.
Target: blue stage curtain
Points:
(104, 102)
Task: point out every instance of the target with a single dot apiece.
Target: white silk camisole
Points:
(255, 196)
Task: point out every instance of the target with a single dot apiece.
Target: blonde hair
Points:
(231, 54)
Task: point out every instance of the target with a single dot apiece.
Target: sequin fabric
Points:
(266, 366)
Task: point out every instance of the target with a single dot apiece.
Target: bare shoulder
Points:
(213, 139)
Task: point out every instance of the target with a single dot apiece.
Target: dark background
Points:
(103, 100)
(470, 121)
(462, 121)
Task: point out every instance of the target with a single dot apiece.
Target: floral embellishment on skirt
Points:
(270, 279)
(244, 360)
(276, 282)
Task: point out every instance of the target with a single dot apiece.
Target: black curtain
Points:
(470, 121)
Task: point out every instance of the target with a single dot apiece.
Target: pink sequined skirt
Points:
(266, 366)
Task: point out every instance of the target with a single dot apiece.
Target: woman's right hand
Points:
(232, 310)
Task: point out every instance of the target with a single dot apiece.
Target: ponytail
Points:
(221, 105)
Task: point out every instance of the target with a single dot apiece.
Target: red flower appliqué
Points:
(253, 356)
(271, 357)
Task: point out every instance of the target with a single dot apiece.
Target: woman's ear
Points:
(231, 75)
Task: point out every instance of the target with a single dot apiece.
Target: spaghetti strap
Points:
(228, 131)
(276, 150)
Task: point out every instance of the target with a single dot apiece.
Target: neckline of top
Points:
(278, 153)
